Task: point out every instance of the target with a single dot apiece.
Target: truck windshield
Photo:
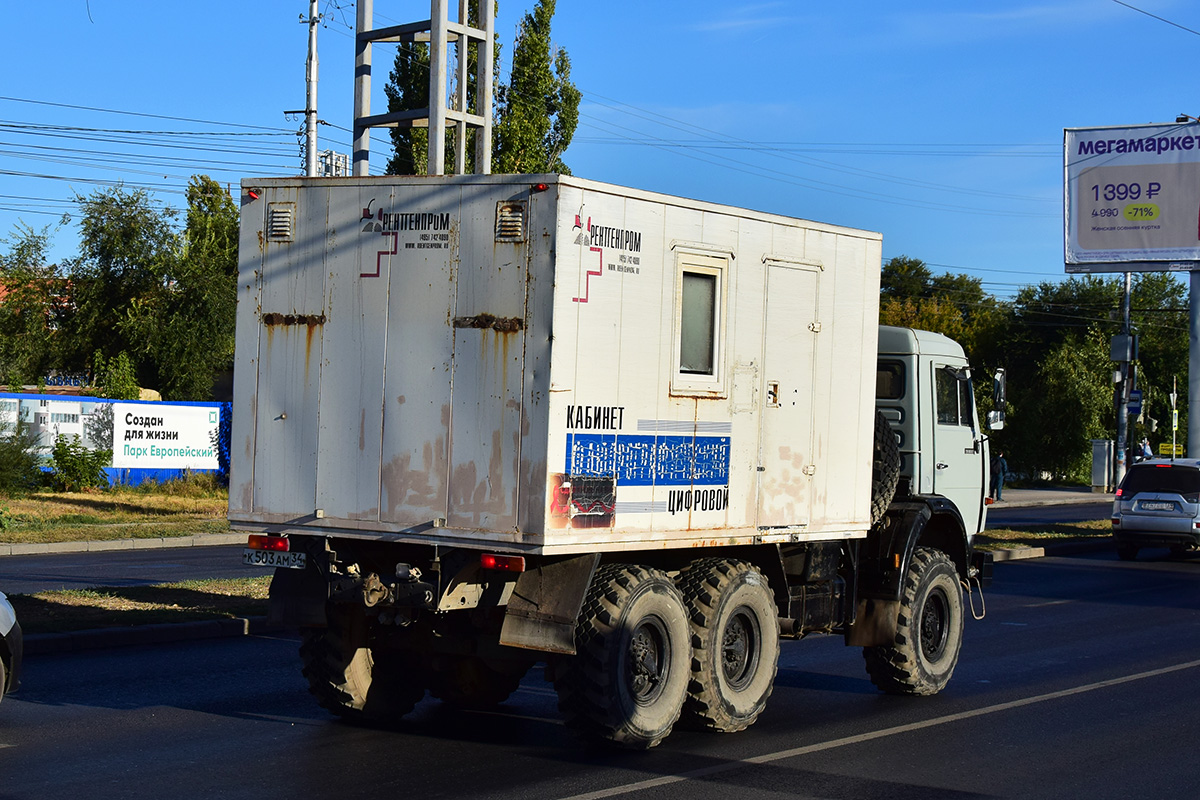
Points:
(1165, 478)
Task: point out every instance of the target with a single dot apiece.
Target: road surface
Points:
(1079, 683)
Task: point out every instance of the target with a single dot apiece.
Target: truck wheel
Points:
(885, 468)
(735, 643)
(470, 682)
(346, 677)
(928, 630)
(629, 677)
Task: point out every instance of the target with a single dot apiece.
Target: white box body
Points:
(505, 362)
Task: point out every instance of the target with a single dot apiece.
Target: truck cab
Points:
(923, 390)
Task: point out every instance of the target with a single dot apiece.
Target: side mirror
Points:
(995, 417)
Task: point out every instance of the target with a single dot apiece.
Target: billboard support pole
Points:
(1193, 425)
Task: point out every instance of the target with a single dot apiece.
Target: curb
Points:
(1097, 544)
(161, 633)
(200, 540)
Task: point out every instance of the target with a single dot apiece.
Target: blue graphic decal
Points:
(639, 460)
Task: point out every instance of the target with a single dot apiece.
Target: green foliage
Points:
(19, 461)
(32, 307)
(407, 89)
(75, 467)
(538, 111)
(535, 115)
(126, 249)
(114, 378)
(1053, 426)
(186, 323)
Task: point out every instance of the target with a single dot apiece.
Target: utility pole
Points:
(1122, 353)
(310, 101)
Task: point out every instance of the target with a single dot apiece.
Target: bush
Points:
(19, 471)
(77, 468)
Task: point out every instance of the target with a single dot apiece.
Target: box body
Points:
(548, 364)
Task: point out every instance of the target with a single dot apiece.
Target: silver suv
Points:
(1158, 505)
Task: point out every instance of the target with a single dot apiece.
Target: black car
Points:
(1158, 505)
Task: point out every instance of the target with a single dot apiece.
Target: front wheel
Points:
(929, 629)
(629, 677)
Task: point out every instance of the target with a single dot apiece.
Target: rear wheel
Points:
(929, 628)
(629, 677)
(1127, 552)
(470, 682)
(349, 679)
(735, 643)
(3, 680)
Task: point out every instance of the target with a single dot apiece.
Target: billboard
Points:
(162, 436)
(1132, 198)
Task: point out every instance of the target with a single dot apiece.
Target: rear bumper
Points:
(1142, 538)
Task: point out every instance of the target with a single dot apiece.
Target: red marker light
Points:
(502, 563)
(253, 194)
(277, 543)
(540, 187)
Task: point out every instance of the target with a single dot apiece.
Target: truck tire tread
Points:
(596, 693)
(730, 606)
(931, 606)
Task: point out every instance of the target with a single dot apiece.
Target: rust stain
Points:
(418, 489)
(492, 322)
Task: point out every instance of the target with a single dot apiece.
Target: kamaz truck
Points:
(487, 422)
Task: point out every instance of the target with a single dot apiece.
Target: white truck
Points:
(482, 422)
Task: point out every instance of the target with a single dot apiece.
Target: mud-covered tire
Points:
(629, 677)
(928, 630)
(885, 468)
(470, 682)
(1127, 552)
(735, 643)
(348, 679)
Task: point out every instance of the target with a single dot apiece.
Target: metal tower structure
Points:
(440, 32)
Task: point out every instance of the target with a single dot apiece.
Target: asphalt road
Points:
(38, 573)
(1047, 515)
(1079, 683)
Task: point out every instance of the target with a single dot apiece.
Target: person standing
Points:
(999, 472)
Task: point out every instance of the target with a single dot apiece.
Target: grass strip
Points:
(1008, 538)
(109, 607)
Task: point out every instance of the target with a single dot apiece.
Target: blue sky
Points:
(938, 124)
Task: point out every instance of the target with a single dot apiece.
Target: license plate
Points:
(273, 558)
(1151, 505)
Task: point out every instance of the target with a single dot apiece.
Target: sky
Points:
(938, 124)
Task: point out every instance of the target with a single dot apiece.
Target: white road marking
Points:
(780, 755)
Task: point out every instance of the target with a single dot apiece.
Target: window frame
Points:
(692, 384)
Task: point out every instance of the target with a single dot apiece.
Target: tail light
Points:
(279, 544)
(502, 563)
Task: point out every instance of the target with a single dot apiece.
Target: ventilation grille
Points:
(510, 221)
(280, 221)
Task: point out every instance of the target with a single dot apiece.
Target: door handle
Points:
(941, 465)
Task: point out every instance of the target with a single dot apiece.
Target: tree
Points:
(126, 248)
(539, 109)
(186, 321)
(30, 306)
(407, 89)
(904, 278)
(535, 114)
